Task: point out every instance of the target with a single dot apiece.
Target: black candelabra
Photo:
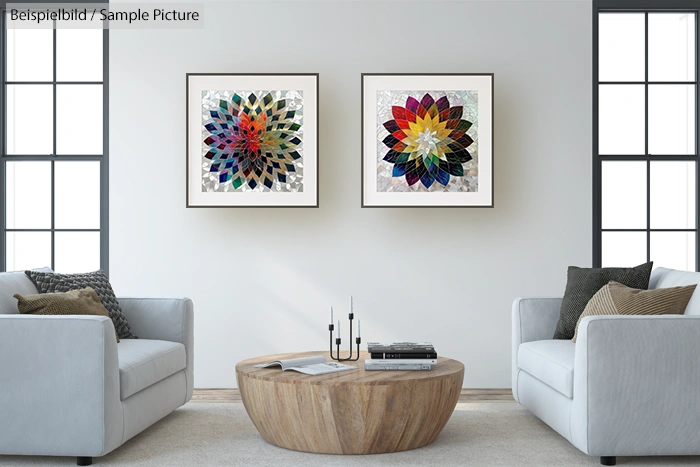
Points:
(331, 328)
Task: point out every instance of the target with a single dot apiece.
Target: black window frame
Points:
(102, 158)
(643, 6)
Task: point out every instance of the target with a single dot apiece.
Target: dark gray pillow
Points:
(49, 282)
(583, 283)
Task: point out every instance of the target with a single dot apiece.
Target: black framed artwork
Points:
(252, 140)
(427, 140)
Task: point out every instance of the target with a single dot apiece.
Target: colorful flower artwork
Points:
(252, 140)
(428, 141)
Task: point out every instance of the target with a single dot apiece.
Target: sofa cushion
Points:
(662, 278)
(144, 362)
(12, 283)
(53, 282)
(583, 283)
(617, 299)
(76, 302)
(550, 361)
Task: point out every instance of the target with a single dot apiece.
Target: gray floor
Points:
(478, 434)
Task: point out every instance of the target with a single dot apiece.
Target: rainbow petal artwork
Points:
(427, 141)
(252, 140)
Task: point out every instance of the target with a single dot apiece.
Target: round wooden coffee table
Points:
(351, 412)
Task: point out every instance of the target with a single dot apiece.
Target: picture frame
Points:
(252, 140)
(444, 158)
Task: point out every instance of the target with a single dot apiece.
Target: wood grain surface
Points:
(467, 396)
(352, 412)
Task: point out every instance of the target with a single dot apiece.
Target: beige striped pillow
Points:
(618, 299)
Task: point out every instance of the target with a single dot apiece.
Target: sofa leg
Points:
(88, 461)
(608, 460)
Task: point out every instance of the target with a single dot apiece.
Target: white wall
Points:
(262, 279)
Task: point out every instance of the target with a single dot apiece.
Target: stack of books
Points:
(401, 356)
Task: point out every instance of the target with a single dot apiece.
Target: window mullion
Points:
(48, 157)
(697, 143)
(104, 160)
(82, 83)
(597, 160)
(3, 128)
(626, 83)
(646, 129)
(53, 164)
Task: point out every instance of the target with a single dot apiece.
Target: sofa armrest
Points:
(167, 319)
(533, 319)
(59, 386)
(636, 383)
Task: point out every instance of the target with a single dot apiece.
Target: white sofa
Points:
(68, 389)
(629, 386)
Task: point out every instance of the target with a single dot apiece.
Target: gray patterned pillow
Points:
(583, 283)
(49, 282)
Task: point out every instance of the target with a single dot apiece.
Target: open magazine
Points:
(309, 365)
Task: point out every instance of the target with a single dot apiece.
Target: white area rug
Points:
(221, 434)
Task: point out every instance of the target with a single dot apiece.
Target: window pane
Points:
(29, 54)
(675, 250)
(77, 252)
(30, 119)
(79, 119)
(671, 119)
(77, 197)
(28, 195)
(672, 195)
(621, 47)
(624, 195)
(671, 47)
(624, 249)
(28, 250)
(79, 54)
(621, 119)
